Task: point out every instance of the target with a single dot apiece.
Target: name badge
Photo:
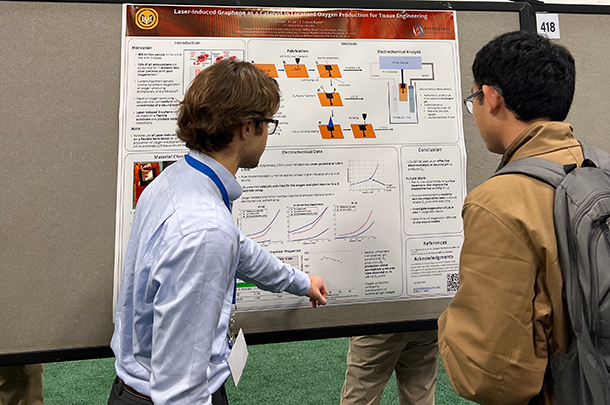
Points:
(238, 357)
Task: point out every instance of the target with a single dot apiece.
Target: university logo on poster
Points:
(147, 18)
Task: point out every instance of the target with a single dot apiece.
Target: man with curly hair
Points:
(185, 250)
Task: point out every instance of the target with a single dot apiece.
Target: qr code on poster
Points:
(453, 282)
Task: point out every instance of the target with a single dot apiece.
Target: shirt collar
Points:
(234, 190)
(538, 138)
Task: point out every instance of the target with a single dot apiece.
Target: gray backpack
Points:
(582, 220)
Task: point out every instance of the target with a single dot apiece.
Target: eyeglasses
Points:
(468, 101)
(272, 124)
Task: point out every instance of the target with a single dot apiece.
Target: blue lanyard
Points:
(205, 169)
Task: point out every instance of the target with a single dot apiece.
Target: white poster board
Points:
(364, 180)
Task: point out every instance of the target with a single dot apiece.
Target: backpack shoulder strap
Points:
(599, 157)
(547, 171)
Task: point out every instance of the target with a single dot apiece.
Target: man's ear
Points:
(246, 130)
(494, 99)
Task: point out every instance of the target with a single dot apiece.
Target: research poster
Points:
(364, 179)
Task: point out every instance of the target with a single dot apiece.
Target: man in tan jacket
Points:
(509, 314)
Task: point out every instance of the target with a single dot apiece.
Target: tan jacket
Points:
(509, 313)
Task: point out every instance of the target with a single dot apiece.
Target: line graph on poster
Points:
(337, 270)
(262, 225)
(353, 225)
(367, 176)
(309, 223)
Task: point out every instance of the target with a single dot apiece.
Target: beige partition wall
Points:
(587, 37)
(59, 107)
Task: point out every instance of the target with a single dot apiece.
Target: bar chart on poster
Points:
(363, 181)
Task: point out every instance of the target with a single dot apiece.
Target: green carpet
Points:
(299, 373)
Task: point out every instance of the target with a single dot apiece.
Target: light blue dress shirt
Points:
(170, 337)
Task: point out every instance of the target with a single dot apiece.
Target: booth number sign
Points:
(548, 25)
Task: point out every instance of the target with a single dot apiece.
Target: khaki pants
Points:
(21, 385)
(372, 359)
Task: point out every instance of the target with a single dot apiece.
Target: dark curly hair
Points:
(536, 76)
(222, 98)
